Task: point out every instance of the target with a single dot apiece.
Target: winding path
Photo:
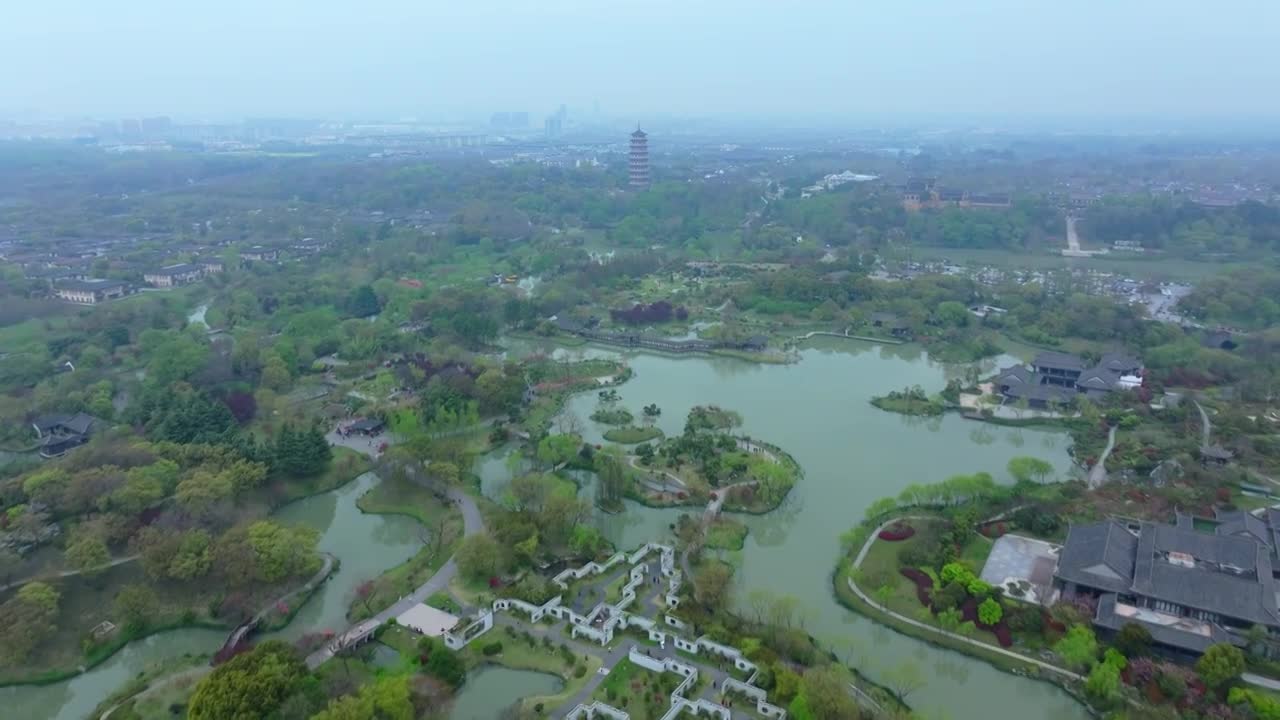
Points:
(248, 626)
(633, 459)
(473, 523)
(1206, 427)
(857, 563)
(1098, 473)
(202, 670)
(69, 573)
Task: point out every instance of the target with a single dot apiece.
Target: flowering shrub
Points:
(897, 532)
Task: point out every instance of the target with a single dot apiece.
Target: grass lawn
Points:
(975, 552)
(644, 694)
(613, 591)
(405, 498)
(1139, 265)
(443, 601)
(632, 435)
(880, 569)
(726, 534)
(346, 465)
(401, 639)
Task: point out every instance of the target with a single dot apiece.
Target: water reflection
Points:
(818, 410)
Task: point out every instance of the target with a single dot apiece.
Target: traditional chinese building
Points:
(638, 164)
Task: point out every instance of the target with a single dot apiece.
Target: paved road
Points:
(862, 554)
(69, 573)
(1073, 239)
(1260, 681)
(1098, 473)
(473, 524)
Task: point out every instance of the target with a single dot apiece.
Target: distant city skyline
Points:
(719, 58)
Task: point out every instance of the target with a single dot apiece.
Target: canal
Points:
(366, 545)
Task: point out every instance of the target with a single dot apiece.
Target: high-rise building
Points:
(638, 161)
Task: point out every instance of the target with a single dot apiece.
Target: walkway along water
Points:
(852, 454)
(1098, 473)
(857, 563)
(364, 544)
(473, 523)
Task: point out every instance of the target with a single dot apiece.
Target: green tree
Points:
(251, 685)
(441, 662)
(1220, 666)
(89, 555)
(363, 302)
(26, 620)
(281, 552)
(480, 557)
(711, 584)
(386, 699)
(952, 314)
(1078, 648)
(1024, 469)
(1103, 683)
(135, 606)
(990, 612)
(826, 693)
(1133, 640)
(192, 557)
(556, 449)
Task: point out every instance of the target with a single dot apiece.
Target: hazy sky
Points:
(429, 58)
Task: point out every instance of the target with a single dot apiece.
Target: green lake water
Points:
(816, 409)
(491, 689)
(852, 454)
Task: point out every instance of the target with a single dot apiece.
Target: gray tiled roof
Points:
(1099, 555)
(1097, 379)
(1212, 584)
(1119, 362)
(1239, 522)
(1058, 360)
(1164, 634)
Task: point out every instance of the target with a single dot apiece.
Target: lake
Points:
(818, 410)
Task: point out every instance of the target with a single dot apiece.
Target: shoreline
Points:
(57, 675)
(848, 595)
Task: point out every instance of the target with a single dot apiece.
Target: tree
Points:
(363, 302)
(826, 695)
(990, 611)
(250, 685)
(1133, 640)
(26, 620)
(135, 606)
(441, 662)
(711, 584)
(281, 552)
(556, 449)
(1024, 468)
(1078, 648)
(480, 557)
(203, 490)
(904, 679)
(1220, 666)
(89, 555)
(952, 314)
(1103, 683)
(385, 699)
(611, 485)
